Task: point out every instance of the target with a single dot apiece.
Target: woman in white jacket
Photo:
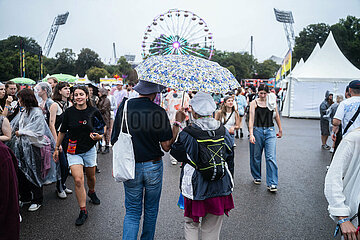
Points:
(342, 183)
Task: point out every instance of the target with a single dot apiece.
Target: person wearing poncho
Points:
(208, 200)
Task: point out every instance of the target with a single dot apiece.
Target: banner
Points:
(286, 66)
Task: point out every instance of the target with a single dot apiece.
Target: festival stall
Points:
(326, 69)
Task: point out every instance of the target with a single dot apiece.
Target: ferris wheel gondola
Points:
(178, 32)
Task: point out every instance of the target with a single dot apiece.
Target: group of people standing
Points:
(55, 128)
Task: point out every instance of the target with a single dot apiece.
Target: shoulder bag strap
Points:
(228, 118)
(124, 118)
(352, 120)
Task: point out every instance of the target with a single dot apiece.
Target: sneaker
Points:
(99, 150)
(234, 144)
(94, 199)
(237, 136)
(33, 207)
(82, 218)
(61, 194)
(331, 150)
(20, 218)
(326, 147)
(68, 191)
(272, 188)
(107, 150)
(257, 181)
(97, 170)
(241, 134)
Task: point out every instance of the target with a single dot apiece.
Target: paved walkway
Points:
(297, 211)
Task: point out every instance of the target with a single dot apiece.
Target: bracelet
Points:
(338, 225)
(177, 124)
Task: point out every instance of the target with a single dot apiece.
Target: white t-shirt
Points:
(133, 94)
(346, 110)
(231, 122)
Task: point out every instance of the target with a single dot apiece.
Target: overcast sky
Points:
(96, 24)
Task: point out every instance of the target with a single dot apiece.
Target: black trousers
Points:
(29, 191)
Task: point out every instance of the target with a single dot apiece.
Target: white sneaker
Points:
(68, 191)
(33, 207)
(62, 195)
(331, 150)
(234, 144)
(20, 218)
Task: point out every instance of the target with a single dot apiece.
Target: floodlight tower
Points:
(287, 19)
(59, 20)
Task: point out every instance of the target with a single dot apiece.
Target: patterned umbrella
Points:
(187, 73)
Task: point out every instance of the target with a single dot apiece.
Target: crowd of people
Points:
(53, 130)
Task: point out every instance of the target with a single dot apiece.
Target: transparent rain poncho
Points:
(35, 137)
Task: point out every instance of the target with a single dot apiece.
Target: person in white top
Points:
(347, 109)
(119, 95)
(230, 117)
(342, 180)
(131, 92)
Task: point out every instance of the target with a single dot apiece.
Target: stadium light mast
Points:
(59, 20)
(287, 19)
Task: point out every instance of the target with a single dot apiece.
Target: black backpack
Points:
(211, 155)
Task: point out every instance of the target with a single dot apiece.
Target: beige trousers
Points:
(210, 227)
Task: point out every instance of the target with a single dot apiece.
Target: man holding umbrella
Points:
(149, 125)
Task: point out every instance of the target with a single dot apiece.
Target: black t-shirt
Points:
(79, 124)
(148, 125)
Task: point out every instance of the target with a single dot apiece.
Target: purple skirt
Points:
(199, 208)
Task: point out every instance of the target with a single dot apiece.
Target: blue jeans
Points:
(145, 187)
(265, 140)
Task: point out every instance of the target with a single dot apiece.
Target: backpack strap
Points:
(352, 120)
(229, 117)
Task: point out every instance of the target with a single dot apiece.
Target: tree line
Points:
(242, 65)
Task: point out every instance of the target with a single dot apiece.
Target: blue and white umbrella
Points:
(187, 73)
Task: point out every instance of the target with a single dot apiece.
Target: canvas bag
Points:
(123, 153)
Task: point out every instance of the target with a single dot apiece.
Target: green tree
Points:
(308, 38)
(232, 70)
(95, 73)
(124, 67)
(87, 58)
(347, 36)
(267, 69)
(10, 57)
(65, 62)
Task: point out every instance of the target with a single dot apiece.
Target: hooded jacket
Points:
(325, 104)
(192, 184)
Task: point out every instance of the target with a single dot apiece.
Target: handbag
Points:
(123, 153)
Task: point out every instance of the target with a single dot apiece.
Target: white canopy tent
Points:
(326, 69)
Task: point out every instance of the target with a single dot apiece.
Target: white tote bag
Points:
(123, 153)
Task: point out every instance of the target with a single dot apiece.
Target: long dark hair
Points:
(263, 87)
(56, 95)
(86, 90)
(28, 99)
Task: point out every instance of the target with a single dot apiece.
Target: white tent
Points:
(326, 69)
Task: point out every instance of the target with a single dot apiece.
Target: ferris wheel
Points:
(178, 32)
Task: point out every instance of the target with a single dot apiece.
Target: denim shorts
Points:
(87, 159)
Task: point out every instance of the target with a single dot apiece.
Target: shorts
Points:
(324, 127)
(87, 159)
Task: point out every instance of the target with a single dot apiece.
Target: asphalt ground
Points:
(297, 211)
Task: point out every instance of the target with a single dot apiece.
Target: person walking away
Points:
(207, 193)
(61, 98)
(85, 125)
(345, 115)
(241, 104)
(33, 144)
(230, 118)
(104, 107)
(9, 197)
(330, 113)
(342, 185)
(324, 123)
(263, 138)
(154, 132)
